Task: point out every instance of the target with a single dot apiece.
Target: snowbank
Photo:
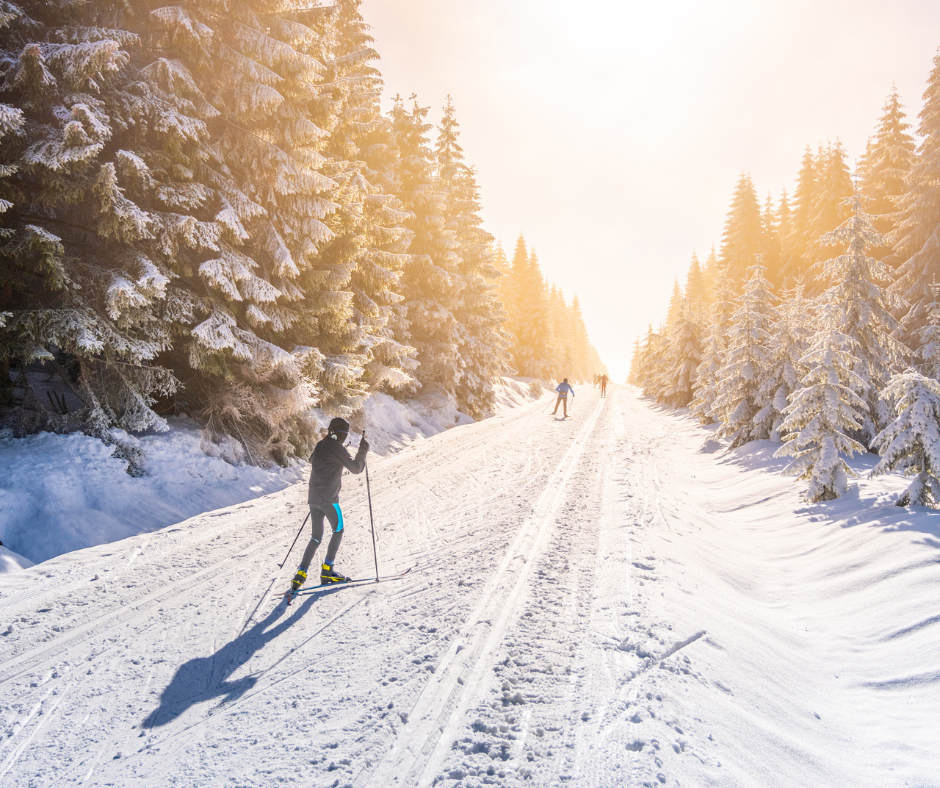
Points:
(60, 493)
(12, 562)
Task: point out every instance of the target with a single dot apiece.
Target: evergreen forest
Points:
(205, 211)
(816, 323)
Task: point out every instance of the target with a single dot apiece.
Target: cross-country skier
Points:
(327, 462)
(563, 390)
(604, 380)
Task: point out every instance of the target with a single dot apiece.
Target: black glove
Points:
(363, 445)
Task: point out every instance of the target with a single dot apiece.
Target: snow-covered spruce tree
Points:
(771, 248)
(928, 349)
(783, 222)
(653, 363)
(267, 77)
(511, 292)
(84, 278)
(798, 243)
(636, 362)
(585, 356)
(698, 291)
(912, 441)
(741, 241)
(832, 209)
(11, 126)
(825, 412)
(884, 170)
(482, 344)
(856, 287)
(738, 400)
(707, 376)
(918, 245)
(394, 361)
(683, 355)
(238, 210)
(563, 358)
(355, 263)
(431, 283)
(532, 350)
(675, 303)
(789, 340)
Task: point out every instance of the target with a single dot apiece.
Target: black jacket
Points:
(326, 474)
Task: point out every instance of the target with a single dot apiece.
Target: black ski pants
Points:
(334, 516)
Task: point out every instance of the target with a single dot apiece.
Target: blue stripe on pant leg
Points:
(339, 517)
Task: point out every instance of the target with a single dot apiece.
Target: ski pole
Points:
(371, 520)
(281, 565)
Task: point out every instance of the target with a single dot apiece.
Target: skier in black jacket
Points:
(326, 471)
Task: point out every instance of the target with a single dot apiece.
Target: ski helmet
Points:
(338, 426)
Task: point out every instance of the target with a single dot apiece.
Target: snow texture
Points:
(605, 600)
(12, 562)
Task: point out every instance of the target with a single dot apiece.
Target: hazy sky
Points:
(611, 133)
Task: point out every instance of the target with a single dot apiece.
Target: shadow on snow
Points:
(204, 678)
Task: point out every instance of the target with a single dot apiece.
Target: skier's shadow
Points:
(204, 678)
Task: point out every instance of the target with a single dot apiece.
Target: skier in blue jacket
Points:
(563, 390)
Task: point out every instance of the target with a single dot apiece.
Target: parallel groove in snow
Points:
(29, 660)
(439, 710)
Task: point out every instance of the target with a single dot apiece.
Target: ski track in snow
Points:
(594, 601)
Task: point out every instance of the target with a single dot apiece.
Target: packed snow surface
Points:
(606, 600)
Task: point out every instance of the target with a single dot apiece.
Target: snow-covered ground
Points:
(60, 493)
(607, 600)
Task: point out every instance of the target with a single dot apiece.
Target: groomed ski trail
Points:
(433, 722)
(607, 601)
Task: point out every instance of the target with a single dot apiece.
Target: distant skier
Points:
(326, 471)
(563, 390)
(604, 380)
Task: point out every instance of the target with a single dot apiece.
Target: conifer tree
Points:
(11, 127)
(431, 283)
(912, 441)
(531, 352)
(563, 333)
(771, 252)
(789, 341)
(825, 412)
(929, 337)
(885, 168)
(636, 362)
(783, 221)
(363, 260)
(711, 271)
(654, 361)
(683, 356)
(482, 345)
(738, 400)
(835, 188)
(798, 259)
(696, 288)
(512, 292)
(741, 241)
(585, 356)
(84, 265)
(707, 376)
(857, 290)
(675, 304)
(917, 246)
